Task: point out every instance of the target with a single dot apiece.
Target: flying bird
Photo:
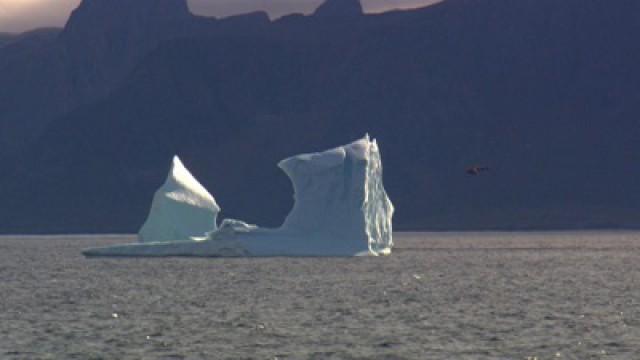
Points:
(476, 170)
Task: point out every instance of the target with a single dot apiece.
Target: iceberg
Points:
(181, 209)
(341, 209)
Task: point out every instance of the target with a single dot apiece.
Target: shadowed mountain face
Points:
(543, 93)
(6, 38)
(44, 77)
(104, 40)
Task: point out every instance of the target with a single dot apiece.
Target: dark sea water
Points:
(573, 295)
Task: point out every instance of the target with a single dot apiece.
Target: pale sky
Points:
(22, 15)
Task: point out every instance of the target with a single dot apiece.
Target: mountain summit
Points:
(99, 16)
(104, 39)
(339, 8)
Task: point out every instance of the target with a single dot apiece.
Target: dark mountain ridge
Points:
(339, 8)
(543, 92)
(6, 38)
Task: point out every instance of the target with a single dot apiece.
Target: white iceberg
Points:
(341, 209)
(181, 209)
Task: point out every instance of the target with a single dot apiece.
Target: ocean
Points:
(488, 295)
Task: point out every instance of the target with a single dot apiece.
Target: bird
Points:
(476, 170)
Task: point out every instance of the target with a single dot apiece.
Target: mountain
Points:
(544, 93)
(5, 38)
(339, 8)
(101, 43)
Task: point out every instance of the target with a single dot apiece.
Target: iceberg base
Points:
(261, 243)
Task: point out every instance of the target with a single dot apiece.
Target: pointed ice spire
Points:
(181, 209)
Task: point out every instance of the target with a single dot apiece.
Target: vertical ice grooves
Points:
(377, 208)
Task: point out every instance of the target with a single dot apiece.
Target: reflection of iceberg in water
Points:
(341, 209)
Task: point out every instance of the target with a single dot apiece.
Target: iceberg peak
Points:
(181, 208)
(182, 186)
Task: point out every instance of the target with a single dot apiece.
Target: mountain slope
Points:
(6, 38)
(99, 46)
(544, 93)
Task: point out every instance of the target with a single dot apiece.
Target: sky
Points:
(23, 15)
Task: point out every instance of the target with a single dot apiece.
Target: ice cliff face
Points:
(339, 197)
(341, 209)
(377, 207)
(181, 209)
